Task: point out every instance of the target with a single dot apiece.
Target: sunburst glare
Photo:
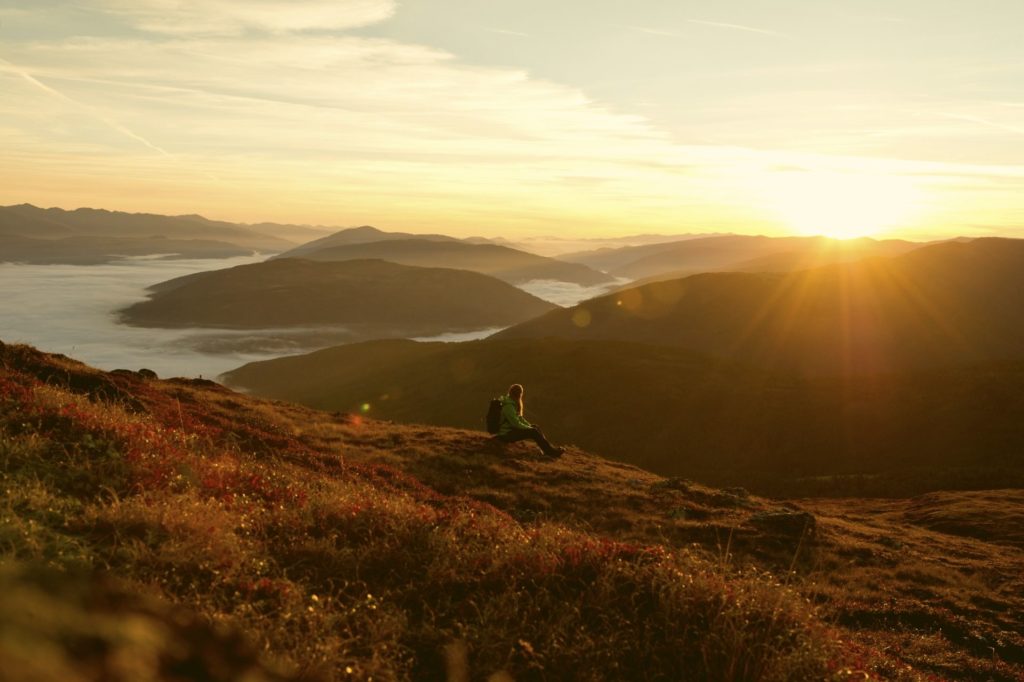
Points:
(842, 205)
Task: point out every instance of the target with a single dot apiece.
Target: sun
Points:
(842, 205)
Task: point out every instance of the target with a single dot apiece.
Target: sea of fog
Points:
(71, 309)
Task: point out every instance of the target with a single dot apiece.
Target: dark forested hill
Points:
(374, 296)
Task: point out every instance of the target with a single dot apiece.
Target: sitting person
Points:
(515, 428)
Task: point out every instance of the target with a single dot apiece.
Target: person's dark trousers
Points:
(533, 434)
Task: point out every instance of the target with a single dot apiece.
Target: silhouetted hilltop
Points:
(956, 303)
(734, 252)
(374, 297)
(358, 235)
(506, 264)
(344, 547)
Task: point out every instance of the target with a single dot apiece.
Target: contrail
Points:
(654, 31)
(737, 27)
(984, 122)
(93, 112)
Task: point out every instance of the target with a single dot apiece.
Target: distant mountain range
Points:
(372, 297)
(53, 235)
(510, 265)
(948, 304)
(679, 258)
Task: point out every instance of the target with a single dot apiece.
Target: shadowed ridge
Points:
(680, 413)
(939, 306)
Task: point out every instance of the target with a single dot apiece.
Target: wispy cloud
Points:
(737, 27)
(233, 17)
(317, 127)
(53, 92)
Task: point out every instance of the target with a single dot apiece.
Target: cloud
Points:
(234, 17)
(53, 92)
(67, 309)
(343, 128)
(715, 24)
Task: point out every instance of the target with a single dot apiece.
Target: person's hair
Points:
(515, 391)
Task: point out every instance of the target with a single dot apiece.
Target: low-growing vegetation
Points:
(335, 566)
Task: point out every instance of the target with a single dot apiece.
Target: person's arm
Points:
(511, 415)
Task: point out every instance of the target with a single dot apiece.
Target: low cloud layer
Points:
(70, 309)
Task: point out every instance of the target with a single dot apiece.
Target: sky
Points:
(578, 118)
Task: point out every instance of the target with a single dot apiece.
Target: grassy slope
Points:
(366, 294)
(679, 413)
(950, 303)
(348, 548)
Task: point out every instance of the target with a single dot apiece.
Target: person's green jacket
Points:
(510, 417)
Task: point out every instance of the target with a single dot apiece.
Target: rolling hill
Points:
(372, 298)
(509, 265)
(357, 235)
(160, 529)
(681, 414)
(950, 304)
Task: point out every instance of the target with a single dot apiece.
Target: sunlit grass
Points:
(348, 571)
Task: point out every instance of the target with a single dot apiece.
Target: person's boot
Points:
(554, 452)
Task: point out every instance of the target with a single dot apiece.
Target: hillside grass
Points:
(679, 413)
(340, 569)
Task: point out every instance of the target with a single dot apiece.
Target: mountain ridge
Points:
(510, 265)
(932, 307)
(676, 412)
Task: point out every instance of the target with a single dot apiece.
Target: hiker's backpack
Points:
(494, 416)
